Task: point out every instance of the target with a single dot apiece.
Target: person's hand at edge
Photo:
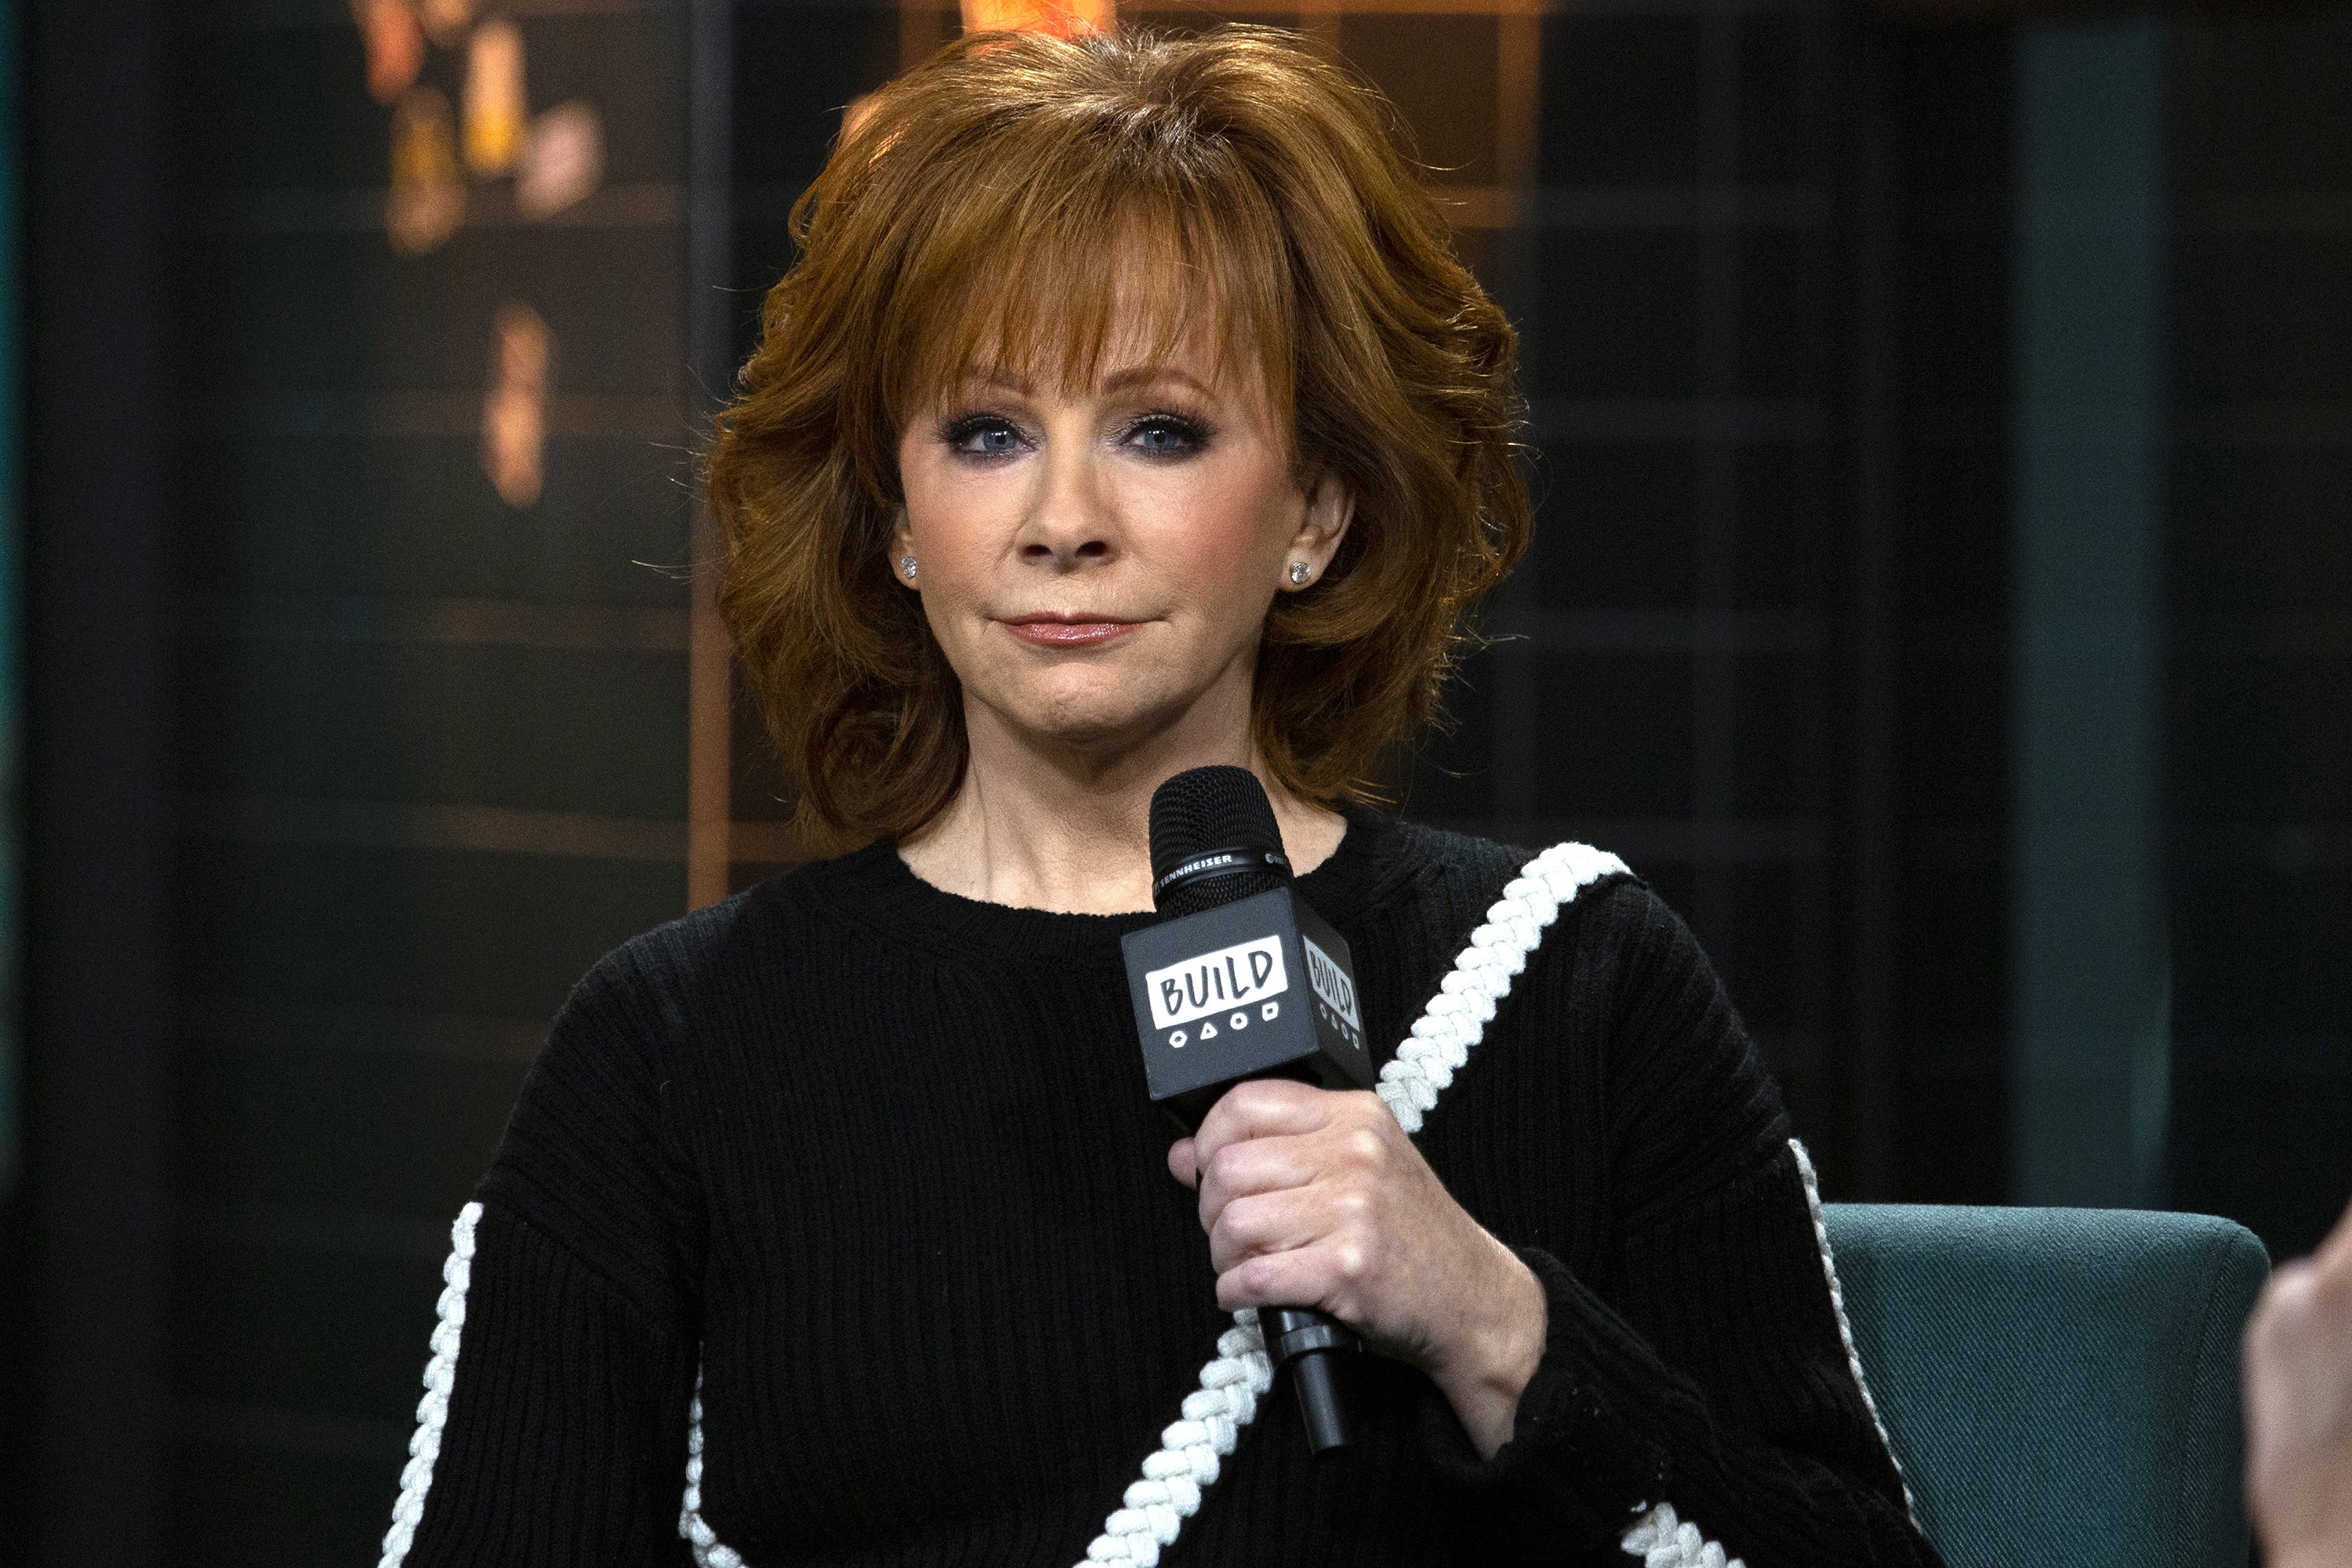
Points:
(2298, 1387)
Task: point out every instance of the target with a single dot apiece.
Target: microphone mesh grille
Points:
(1202, 809)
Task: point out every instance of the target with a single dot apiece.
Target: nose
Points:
(1070, 523)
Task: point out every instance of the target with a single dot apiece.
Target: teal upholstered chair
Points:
(2061, 1385)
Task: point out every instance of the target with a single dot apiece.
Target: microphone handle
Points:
(1310, 1344)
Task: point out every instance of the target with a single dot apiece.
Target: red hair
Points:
(962, 223)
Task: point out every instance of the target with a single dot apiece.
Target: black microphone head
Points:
(1214, 839)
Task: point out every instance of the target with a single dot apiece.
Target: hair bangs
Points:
(1073, 276)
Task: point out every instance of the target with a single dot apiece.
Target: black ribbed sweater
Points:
(879, 1161)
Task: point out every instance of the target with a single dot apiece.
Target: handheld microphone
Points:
(1218, 994)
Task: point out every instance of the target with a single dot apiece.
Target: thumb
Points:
(1184, 1162)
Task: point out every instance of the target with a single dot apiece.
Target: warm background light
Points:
(445, 21)
(514, 411)
(426, 201)
(1039, 16)
(497, 109)
(394, 44)
(562, 160)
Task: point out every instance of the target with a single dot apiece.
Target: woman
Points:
(1125, 412)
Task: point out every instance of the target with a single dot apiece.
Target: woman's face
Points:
(1098, 563)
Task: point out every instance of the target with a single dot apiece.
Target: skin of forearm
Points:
(1501, 1349)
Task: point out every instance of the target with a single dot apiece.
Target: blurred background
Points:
(1942, 417)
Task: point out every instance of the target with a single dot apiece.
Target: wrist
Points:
(1497, 1355)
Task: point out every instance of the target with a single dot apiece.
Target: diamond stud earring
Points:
(907, 567)
(1301, 571)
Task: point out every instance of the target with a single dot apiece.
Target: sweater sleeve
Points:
(553, 1426)
(1702, 1367)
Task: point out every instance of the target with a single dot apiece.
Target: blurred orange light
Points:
(427, 199)
(445, 21)
(1063, 21)
(514, 410)
(496, 113)
(394, 45)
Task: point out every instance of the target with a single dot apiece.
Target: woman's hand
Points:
(1317, 1198)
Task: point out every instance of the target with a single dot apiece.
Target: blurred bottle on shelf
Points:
(394, 43)
(562, 160)
(498, 114)
(514, 410)
(427, 200)
(445, 21)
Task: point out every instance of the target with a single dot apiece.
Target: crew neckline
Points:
(887, 891)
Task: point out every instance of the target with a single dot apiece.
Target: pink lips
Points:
(1053, 631)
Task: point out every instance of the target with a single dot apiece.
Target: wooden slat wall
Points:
(432, 748)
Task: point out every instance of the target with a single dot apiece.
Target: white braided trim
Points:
(440, 1373)
(1844, 1327)
(1440, 1042)
(708, 1552)
(1662, 1540)
(1155, 1508)
(1441, 1038)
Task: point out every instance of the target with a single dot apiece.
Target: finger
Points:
(1329, 1275)
(1260, 1108)
(1184, 1162)
(1255, 1166)
(1271, 1222)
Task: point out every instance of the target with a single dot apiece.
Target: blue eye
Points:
(983, 436)
(1167, 435)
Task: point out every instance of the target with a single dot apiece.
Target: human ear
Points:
(1322, 524)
